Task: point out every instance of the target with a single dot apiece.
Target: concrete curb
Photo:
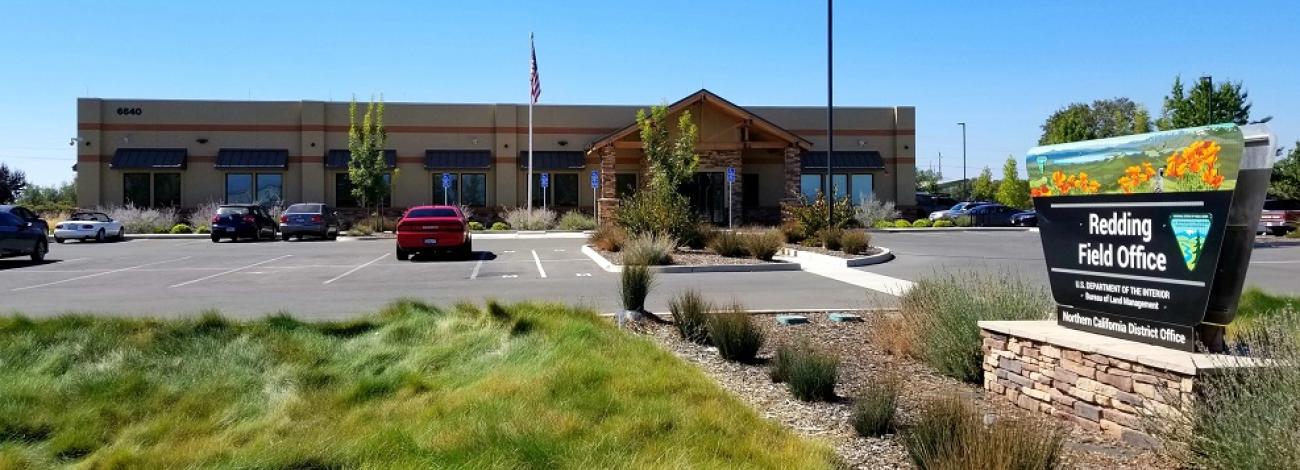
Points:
(524, 234)
(814, 258)
(956, 229)
(609, 266)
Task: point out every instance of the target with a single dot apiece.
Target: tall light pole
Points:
(965, 183)
(830, 117)
(1209, 99)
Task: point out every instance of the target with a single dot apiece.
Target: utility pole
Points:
(940, 165)
(965, 183)
(1209, 99)
(830, 118)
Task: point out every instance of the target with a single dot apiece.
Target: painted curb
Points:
(609, 266)
(811, 257)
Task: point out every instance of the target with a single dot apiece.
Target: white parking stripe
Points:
(88, 276)
(539, 264)
(478, 266)
(358, 268)
(228, 271)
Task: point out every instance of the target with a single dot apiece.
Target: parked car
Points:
(27, 215)
(425, 229)
(314, 219)
(991, 215)
(20, 237)
(84, 226)
(235, 221)
(957, 209)
(1027, 218)
(927, 203)
(1279, 217)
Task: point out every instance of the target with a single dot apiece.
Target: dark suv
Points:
(235, 221)
(19, 237)
(315, 219)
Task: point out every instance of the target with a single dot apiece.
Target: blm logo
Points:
(1190, 230)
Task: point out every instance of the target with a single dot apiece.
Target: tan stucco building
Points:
(184, 153)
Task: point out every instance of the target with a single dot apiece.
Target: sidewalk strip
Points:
(539, 264)
(228, 271)
(358, 268)
(877, 282)
(88, 276)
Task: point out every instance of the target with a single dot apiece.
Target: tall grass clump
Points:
(949, 433)
(942, 310)
(809, 373)
(728, 243)
(649, 249)
(735, 335)
(870, 211)
(690, 316)
(830, 238)
(608, 237)
(574, 220)
(763, 245)
(1245, 414)
(634, 286)
(521, 218)
(143, 219)
(855, 242)
(874, 409)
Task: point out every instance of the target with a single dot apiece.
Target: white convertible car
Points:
(84, 226)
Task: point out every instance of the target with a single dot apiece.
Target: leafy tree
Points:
(661, 207)
(1012, 191)
(367, 167)
(983, 189)
(1101, 119)
(12, 183)
(53, 198)
(1285, 181)
(1230, 104)
(927, 180)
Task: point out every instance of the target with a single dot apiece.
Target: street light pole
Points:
(830, 118)
(1209, 99)
(965, 183)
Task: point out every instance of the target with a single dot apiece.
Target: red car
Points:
(1279, 217)
(426, 229)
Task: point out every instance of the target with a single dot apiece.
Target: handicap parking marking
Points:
(228, 271)
(358, 268)
(88, 276)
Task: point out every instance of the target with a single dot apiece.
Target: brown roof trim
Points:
(704, 95)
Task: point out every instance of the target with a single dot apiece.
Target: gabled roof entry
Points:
(707, 96)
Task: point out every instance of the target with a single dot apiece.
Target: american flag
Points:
(536, 82)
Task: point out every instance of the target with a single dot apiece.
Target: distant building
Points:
(184, 153)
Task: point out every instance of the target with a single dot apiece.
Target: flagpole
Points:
(530, 124)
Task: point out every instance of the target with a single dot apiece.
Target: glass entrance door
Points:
(707, 193)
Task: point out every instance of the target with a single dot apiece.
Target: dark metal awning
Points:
(252, 158)
(449, 159)
(339, 158)
(554, 160)
(130, 159)
(848, 160)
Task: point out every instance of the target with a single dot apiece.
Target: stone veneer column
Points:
(608, 201)
(793, 168)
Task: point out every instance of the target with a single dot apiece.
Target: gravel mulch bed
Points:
(861, 362)
(875, 250)
(687, 257)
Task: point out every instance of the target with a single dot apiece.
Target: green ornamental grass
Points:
(690, 316)
(874, 409)
(735, 335)
(809, 373)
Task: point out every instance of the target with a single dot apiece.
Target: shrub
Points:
(649, 249)
(809, 374)
(690, 316)
(181, 228)
(735, 335)
(574, 220)
(203, 229)
(812, 215)
(763, 245)
(700, 237)
(728, 243)
(830, 238)
(883, 224)
(921, 223)
(362, 228)
(1293, 234)
(963, 221)
(873, 411)
(794, 233)
(950, 433)
(536, 219)
(607, 237)
(652, 212)
(202, 214)
(943, 223)
(942, 311)
(500, 226)
(902, 223)
(143, 220)
(871, 211)
(855, 242)
(634, 286)
(475, 225)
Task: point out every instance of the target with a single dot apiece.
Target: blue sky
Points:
(1000, 68)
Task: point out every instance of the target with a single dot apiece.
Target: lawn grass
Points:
(521, 386)
(1255, 304)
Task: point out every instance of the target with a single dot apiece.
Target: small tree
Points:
(661, 207)
(12, 183)
(1101, 119)
(1202, 106)
(983, 189)
(1285, 180)
(1012, 191)
(367, 167)
(927, 180)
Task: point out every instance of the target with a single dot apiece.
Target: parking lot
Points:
(322, 279)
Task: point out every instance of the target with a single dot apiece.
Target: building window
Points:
(624, 184)
(270, 189)
(839, 186)
(239, 188)
(562, 190)
(343, 191)
(810, 185)
(749, 190)
(467, 189)
(135, 189)
(166, 189)
(862, 186)
(448, 195)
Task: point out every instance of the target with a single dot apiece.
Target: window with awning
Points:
(252, 158)
(554, 160)
(140, 159)
(846, 160)
(454, 159)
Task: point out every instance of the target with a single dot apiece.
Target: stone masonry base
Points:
(1108, 393)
